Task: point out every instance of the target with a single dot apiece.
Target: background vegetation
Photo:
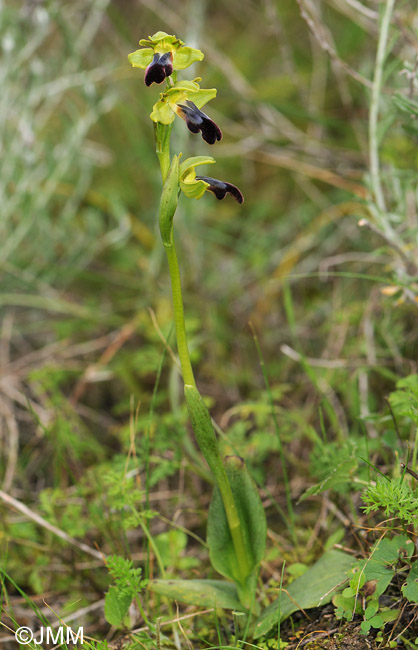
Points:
(316, 275)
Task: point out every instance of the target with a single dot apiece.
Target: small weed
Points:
(370, 579)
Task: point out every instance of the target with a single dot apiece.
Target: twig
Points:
(409, 471)
(174, 620)
(365, 11)
(6, 410)
(17, 505)
(319, 34)
(320, 634)
(323, 363)
(324, 175)
(405, 628)
(365, 223)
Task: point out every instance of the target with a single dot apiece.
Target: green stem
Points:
(234, 523)
(182, 346)
(202, 424)
(201, 419)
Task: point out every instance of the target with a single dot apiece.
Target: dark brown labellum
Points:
(197, 121)
(221, 189)
(160, 67)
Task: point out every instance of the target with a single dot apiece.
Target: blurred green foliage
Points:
(93, 433)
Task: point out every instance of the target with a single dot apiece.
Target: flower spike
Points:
(220, 188)
(197, 120)
(160, 67)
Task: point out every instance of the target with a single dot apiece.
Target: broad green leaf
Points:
(380, 566)
(344, 606)
(410, 588)
(348, 592)
(116, 606)
(371, 609)
(357, 581)
(389, 615)
(203, 593)
(380, 574)
(377, 621)
(388, 550)
(316, 587)
(251, 514)
(365, 627)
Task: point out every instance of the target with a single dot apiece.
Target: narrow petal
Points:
(220, 189)
(160, 67)
(197, 121)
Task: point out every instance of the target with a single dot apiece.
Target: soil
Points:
(324, 632)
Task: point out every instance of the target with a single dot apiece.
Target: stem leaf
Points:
(168, 203)
(253, 522)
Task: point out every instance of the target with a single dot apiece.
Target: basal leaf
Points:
(204, 593)
(252, 517)
(316, 587)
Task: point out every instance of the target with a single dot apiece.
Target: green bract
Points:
(160, 43)
(168, 203)
(165, 109)
(192, 188)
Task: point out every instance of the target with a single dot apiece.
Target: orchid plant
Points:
(236, 530)
(236, 527)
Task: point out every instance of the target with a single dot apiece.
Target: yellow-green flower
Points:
(161, 54)
(194, 186)
(185, 99)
